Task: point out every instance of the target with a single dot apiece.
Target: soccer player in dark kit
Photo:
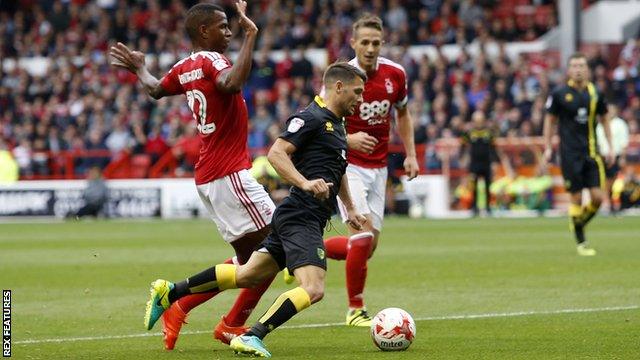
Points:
(479, 141)
(310, 155)
(574, 107)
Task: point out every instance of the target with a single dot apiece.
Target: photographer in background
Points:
(95, 195)
(619, 142)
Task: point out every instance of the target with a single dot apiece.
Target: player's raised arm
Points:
(405, 130)
(233, 79)
(279, 157)
(134, 62)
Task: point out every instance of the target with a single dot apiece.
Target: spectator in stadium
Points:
(81, 91)
(620, 142)
(8, 165)
(94, 196)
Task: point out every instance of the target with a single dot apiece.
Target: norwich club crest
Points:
(321, 253)
(329, 126)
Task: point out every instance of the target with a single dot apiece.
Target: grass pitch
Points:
(479, 289)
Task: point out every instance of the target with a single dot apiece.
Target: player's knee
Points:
(596, 199)
(248, 277)
(315, 291)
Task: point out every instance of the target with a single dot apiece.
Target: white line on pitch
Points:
(306, 326)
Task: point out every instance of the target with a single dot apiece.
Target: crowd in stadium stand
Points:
(82, 103)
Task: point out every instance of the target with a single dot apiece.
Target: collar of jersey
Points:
(320, 102)
(572, 84)
(355, 63)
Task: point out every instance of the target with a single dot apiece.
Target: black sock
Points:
(202, 282)
(588, 213)
(181, 289)
(578, 230)
(258, 330)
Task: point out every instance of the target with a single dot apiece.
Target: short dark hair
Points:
(577, 55)
(368, 20)
(342, 71)
(197, 16)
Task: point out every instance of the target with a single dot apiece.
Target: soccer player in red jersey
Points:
(239, 206)
(368, 129)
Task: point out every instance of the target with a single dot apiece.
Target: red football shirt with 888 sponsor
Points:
(385, 88)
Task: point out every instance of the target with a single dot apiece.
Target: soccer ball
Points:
(416, 211)
(393, 329)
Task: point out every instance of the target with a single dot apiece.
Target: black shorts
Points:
(481, 169)
(581, 172)
(613, 170)
(296, 237)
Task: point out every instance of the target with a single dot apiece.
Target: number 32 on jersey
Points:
(200, 114)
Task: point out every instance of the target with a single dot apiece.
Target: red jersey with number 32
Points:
(222, 118)
(385, 87)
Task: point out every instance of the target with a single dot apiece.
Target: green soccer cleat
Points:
(158, 302)
(358, 317)
(583, 250)
(287, 276)
(249, 345)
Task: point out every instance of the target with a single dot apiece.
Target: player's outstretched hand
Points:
(318, 187)
(361, 141)
(247, 24)
(356, 220)
(126, 58)
(411, 167)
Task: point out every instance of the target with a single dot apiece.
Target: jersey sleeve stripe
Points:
(385, 61)
(211, 56)
(402, 103)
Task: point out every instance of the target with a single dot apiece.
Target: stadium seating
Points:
(57, 119)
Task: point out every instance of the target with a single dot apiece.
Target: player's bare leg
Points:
(311, 290)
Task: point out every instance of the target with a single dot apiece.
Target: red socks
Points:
(245, 303)
(337, 247)
(356, 267)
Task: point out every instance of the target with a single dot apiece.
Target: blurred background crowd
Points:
(80, 103)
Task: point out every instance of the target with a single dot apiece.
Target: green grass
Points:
(90, 279)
